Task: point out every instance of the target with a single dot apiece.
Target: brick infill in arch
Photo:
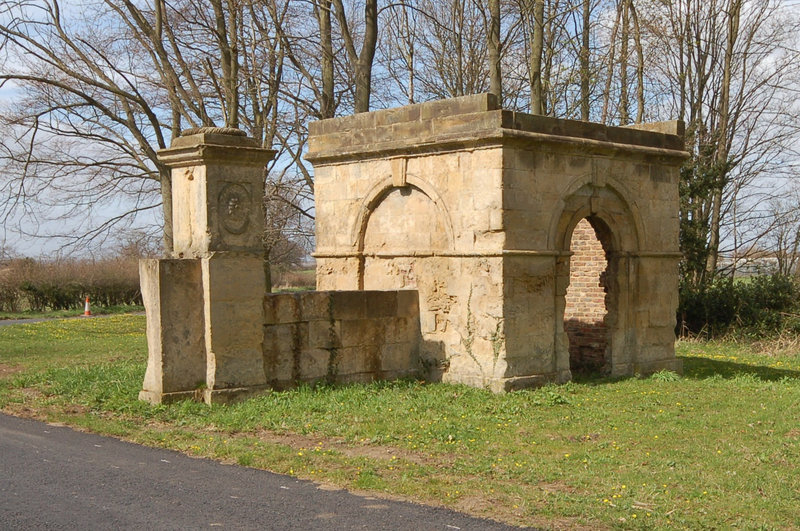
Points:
(585, 312)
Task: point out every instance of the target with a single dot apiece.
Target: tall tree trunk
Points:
(624, 118)
(458, 25)
(537, 46)
(362, 62)
(493, 34)
(166, 207)
(366, 57)
(721, 135)
(227, 41)
(637, 40)
(584, 61)
(323, 13)
(610, 65)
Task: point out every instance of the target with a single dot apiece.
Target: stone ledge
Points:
(209, 396)
(227, 396)
(155, 397)
(472, 121)
(409, 113)
(204, 147)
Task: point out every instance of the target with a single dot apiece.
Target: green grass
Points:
(718, 447)
(57, 314)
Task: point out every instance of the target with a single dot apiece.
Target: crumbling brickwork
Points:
(585, 311)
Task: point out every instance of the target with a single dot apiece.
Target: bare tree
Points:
(727, 69)
(104, 89)
(494, 45)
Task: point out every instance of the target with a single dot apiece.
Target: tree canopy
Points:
(100, 85)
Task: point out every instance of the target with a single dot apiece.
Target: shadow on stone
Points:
(433, 360)
(587, 347)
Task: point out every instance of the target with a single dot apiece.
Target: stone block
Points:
(234, 277)
(416, 129)
(464, 105)
(381, 304)
(663, 335)
(242, 367)
(355, 360)
(173, 299)
(362, 332)
(467, 124)
(401, 329)
(349, 304)
(399, 357)
(234, 288)
(314, 364)
(280, 361)
(282, 338)
(286, 307)
(408, 303)
(324, 334)
(315, 305)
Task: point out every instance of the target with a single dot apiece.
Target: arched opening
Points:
(402, 232)
(588, 300)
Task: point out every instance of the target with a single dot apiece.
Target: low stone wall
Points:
(340, 336)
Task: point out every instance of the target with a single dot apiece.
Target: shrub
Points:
(40, 285)
(756, 306)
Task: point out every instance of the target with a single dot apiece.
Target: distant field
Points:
(294, 280)
(717, 448)
(95, 310)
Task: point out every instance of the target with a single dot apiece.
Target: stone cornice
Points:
(473, 122)
(209, 147)
(326, 253)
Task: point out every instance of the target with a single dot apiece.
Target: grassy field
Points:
(51, 314)
(716, 448)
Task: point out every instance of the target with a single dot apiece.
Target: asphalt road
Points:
(55, 478)
(9, 322)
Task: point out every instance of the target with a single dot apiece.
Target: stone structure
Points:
(445, 238)
(340, 336)
(475, 207)
(213, 331)
(205, 309)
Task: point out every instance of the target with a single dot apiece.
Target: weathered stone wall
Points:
(340, 336)
(585, 312)
(474, 207)
(213, 331)
(466, 208)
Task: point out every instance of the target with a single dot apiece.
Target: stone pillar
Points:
(204, 304)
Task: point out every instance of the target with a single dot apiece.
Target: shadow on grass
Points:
(699, 368)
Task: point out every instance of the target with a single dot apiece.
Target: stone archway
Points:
(595, 336)
(402, 229)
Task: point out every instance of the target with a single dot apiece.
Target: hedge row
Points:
(38, 285)
(756, 306)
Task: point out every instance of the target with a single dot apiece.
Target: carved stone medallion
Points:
(234, 208)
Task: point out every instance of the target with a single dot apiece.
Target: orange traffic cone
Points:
(86, 310)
